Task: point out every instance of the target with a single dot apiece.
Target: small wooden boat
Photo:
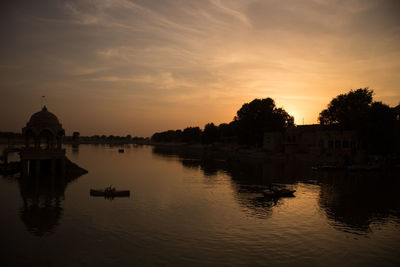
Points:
(365, 167)
(327, 168)
(121, 150)
(277, 193)
(109, 193)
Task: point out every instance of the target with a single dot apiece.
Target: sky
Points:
(137, 67)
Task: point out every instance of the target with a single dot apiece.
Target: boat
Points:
(365, 167)
(327, 168)
(121, 150)
(346, 167)
(278, 192)
(109, 193)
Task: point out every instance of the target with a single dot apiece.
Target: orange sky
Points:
(135, 67)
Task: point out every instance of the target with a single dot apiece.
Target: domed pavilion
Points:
(43, 144)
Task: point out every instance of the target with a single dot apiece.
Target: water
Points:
(198, 212)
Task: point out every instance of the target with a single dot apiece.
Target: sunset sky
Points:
(135, 67)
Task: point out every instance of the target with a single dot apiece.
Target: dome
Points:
(44, 117)
(44, 120)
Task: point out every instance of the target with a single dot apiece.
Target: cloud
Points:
(235, 13)
(164, 80)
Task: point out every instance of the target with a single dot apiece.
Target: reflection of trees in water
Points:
(356, 200)
(274, 171)
(249, 179)
(349, 199)
(243, 175)
(243, 172)
(209, 167)
(170, 152)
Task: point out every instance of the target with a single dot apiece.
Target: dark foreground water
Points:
(185, 211)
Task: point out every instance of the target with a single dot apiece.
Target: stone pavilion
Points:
(43, 152)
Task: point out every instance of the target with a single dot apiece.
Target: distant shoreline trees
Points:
(17, 138)
(247, 127)
(374, 123)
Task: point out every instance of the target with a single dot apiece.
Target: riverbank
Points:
(245, 154)
(238, 153)
(229, 152)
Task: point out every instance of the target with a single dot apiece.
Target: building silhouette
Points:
(43, 152)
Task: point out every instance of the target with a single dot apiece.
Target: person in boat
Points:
(109, 190)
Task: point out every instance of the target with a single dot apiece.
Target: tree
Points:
(226, 130)
(348, 109)
(377, 128)
(167, 136)
(191, 135)
(257, 117)
(210, 134)
(372, 121)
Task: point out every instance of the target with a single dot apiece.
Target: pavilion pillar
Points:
(53, 167)
(37, 143)
(24, 168)
(52, 178)
(59, 143)
(37, 186)
(53, 142)
(5, 157)
(37, 167)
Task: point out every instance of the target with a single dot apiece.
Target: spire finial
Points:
(43, 99)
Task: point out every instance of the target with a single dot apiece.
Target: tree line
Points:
(246, 128)
(104, 139)
(373, 121)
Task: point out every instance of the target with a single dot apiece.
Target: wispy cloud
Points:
(235, 13)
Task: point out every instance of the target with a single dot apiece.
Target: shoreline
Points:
(235, 153)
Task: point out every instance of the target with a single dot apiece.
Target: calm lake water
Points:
(185, 211)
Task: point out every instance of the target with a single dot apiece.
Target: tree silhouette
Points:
(373, 121)
(257, 117)
(168, 136)
(377, 128)
(191, 135)
(347, 109)
(210, 134)
(226, 131)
